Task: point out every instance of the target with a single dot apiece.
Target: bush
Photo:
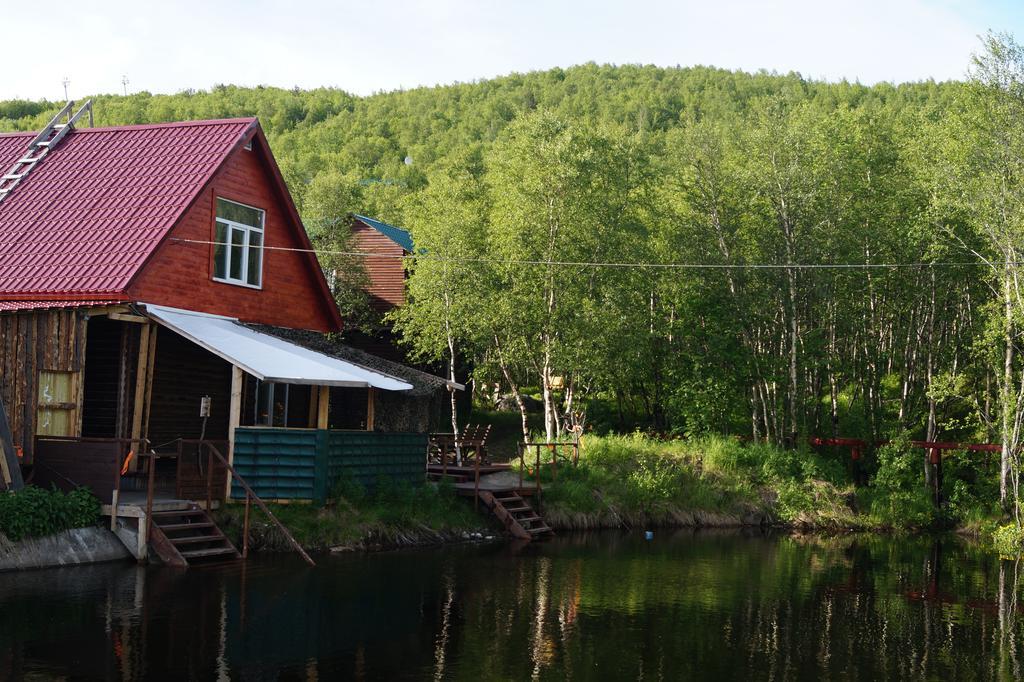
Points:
(1008, 540)
(899, 496)
(36, 512)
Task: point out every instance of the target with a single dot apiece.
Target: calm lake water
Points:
(686, 605)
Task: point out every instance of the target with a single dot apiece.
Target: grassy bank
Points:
(391, 516)
(639, 481)
(635, 481)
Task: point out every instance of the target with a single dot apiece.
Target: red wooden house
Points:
(385, 269)
(148, 275)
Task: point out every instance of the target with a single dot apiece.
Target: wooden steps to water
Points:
(518, 517)
(186, 536)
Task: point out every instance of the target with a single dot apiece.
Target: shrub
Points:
(899, 496)
(1008, 540)
(36, 512)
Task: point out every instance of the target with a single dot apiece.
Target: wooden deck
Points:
(466, 472)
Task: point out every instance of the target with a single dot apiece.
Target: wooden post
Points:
(536, 473)
(209, 477)
(371, 394)
(147, 404)
(476, 484)
(323, 407)
(177, 472)
(115, 496)
(149, 497)
(141, 367)
(313, 413)
(443, 447)
(245, 527)
(83, 326)
(234, 418)
(936, 460)
(522, 465)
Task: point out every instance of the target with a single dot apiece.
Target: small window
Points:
(238, 252)
(56, 408)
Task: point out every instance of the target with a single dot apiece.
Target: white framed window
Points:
(238, 252)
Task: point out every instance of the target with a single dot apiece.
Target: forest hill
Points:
(844, 259)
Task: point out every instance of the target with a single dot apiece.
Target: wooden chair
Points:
(474, 443)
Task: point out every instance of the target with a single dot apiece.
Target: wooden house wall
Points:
(31, 342)
(385, 272)
(183, 373)
(181, 274)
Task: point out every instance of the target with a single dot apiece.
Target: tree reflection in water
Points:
(604, 606)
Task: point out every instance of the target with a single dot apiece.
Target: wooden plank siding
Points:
(183, 373)
(31, 342)
(180, 275)
(386, 272)
(68, 463)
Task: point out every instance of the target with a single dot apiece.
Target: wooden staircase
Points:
(515, 513)
(186, 536)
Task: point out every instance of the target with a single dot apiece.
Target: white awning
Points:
(267, 357)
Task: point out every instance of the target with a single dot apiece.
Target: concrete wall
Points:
(67, 548)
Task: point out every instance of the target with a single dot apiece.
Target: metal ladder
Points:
(48, 138)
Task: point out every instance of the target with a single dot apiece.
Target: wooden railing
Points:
(213, 455)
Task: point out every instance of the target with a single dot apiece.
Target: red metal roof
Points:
(9, 306)
(90, 214)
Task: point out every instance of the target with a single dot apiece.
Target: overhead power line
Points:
(609, 264)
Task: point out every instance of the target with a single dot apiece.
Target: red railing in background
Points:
(934, 448)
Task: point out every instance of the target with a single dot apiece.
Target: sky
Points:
(371, 46)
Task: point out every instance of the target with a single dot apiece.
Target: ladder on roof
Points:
(48, 138)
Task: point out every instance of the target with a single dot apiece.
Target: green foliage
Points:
(635, 164)
(636, 477)
(898, 496)
(36, 512)
(699, 166)
(1008, 540)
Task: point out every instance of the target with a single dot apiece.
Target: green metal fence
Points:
(304, 464)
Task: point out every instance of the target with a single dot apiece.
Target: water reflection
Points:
(607, 606)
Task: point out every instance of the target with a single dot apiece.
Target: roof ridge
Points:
(403, 238)
(144, 126)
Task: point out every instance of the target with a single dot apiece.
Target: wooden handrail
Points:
(522, 463)
(212, 452)
(249, 491)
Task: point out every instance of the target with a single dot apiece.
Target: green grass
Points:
(631, 480)
(637, 479)
(392, 515)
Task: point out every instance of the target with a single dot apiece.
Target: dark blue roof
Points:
(395, 234)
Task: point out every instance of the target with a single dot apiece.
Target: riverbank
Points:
(358, 520)
(73, 547)
(635, 482)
